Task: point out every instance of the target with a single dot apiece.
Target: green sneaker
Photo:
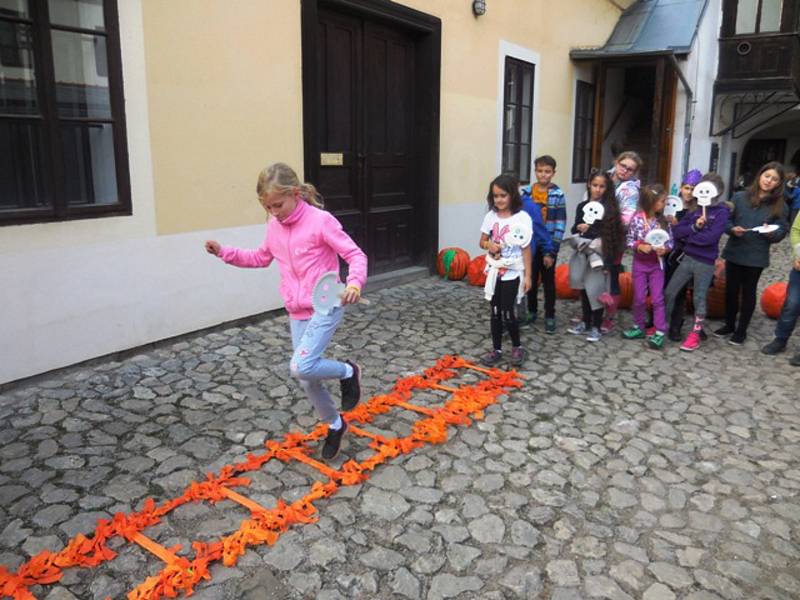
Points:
(656, 341)
(633, 334)
(550, 325)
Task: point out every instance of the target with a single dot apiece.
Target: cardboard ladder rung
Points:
(244, 501)
(155, 548)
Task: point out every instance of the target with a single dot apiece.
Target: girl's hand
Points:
(645, 248)
(661, 251)
(526, 284)
(700, 223)
(738, 231)
(351, 295)
(548, 261)
(213, 247)
(493, 248)
(583, 228)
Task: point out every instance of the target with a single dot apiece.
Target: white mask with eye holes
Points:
(593, 211)
(705, 192)
(673, 206)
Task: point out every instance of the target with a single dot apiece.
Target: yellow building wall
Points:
(225, 98)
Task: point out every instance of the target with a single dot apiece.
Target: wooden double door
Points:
(363, 137)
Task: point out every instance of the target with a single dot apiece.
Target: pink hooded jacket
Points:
(306, 245)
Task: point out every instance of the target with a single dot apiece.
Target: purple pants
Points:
(648, 276)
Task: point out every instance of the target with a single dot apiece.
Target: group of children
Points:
(522, 232)
(672, 251)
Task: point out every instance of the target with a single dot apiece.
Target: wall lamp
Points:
(478, 7)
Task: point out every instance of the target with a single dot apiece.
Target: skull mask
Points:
(673, 207)
(705, 192)
(593, 211)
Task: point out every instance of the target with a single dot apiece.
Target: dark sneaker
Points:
(674, 334)
(703, 334)
(737, 339)
(550, 325)
(656, 341)
(723, 331)
(530, 318)
(490, 359)
(776, 346)
(517, 356)
(351, 388)
(332, 442)
(795, 360)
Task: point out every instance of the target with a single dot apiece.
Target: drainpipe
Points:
(687, 121)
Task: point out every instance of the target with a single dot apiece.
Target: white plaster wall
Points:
(80, 289)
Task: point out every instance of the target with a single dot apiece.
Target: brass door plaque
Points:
(331, 159)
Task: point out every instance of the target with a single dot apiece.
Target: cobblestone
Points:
(616, 472)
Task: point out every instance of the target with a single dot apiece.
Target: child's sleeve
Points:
(783, 226)
(634, 232)
(578, 217)
(486, 225)
(247, 258)
(711, 233)
(683, 228)
(341, 243)
(556, 218)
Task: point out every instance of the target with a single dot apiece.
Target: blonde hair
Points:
(630, 155)
(280, 178)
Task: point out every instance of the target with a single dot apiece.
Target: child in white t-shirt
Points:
(506, 235)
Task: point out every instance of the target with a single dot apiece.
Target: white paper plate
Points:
(657, 238)
(765, 228)
(327, 293)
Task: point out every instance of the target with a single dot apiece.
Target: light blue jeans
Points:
(310, 338)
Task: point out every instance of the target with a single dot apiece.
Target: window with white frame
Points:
(518, 118)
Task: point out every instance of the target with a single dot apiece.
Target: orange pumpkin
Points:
(475, 274)
(452, 263)
(563, 290)
(715, 299)
(625, 290)
(773, 298)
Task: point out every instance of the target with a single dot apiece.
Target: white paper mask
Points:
(705, 192)
(657, 238)
(673, 207)
(593, 211)
(519, 236)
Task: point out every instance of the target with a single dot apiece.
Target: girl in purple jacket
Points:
(698, 238)
(306, 242)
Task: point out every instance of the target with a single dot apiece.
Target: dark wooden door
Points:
(366, 123)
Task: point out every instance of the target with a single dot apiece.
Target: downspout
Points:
(687, 121)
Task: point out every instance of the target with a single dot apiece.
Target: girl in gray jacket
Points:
(746, 253)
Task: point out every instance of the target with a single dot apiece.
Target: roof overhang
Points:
(650, 28)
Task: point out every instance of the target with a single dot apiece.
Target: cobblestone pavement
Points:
(616, 472)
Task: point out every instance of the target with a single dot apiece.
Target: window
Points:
(584, 131)
(517, 118)
(758, 16)
(62, 129)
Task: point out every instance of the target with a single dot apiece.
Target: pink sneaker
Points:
(692, 342)
(607, 326)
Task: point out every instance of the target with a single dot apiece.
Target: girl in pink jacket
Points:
(306, 241)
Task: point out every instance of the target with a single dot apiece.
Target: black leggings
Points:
(744, 280)
(503, 303)
(591, 318)
(548, 283)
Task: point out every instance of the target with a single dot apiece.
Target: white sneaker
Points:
(594, 335)
(577, 329)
